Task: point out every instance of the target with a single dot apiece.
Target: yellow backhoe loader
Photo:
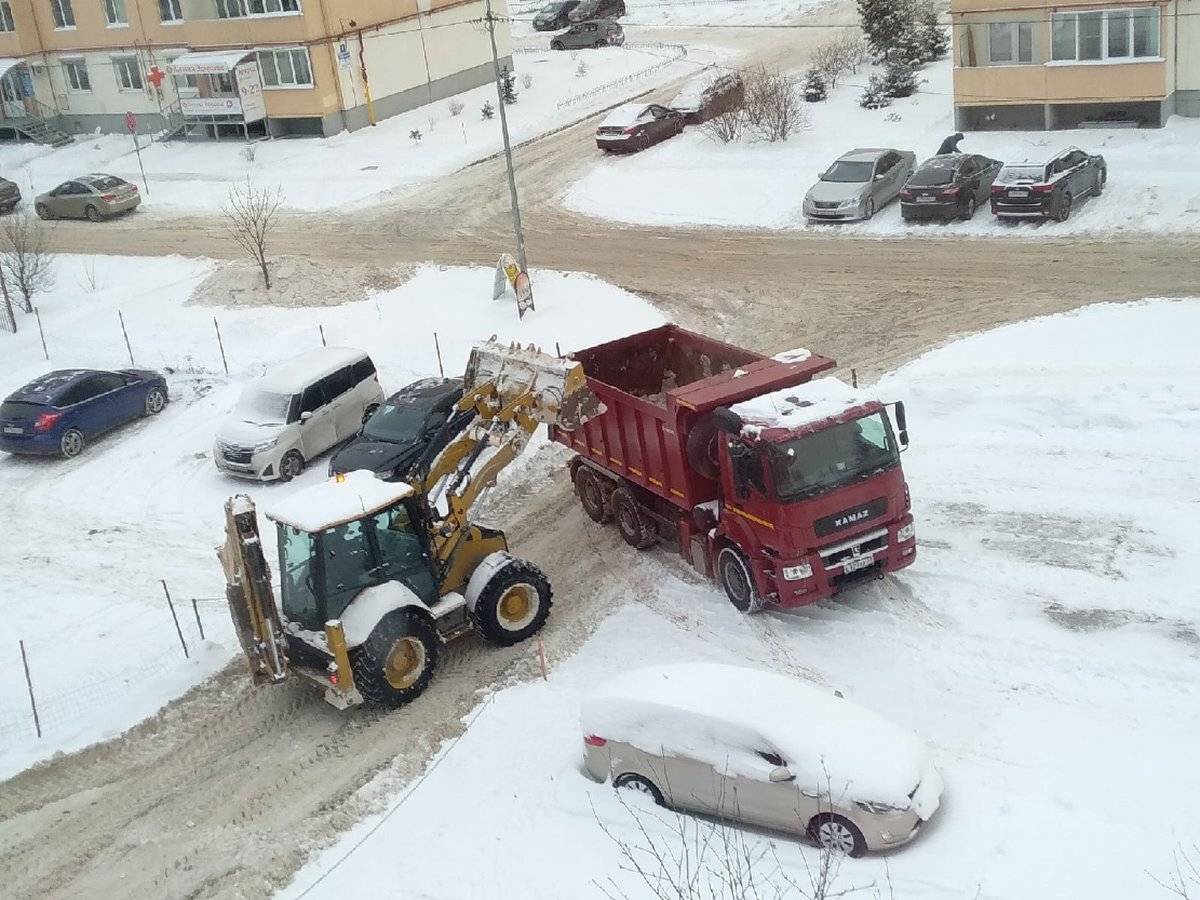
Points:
(377, 575)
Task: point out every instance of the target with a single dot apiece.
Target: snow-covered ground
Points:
(87, 540)
(198, 175)
(1153, 182)
(1045, 642)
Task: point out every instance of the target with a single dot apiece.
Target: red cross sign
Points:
(156, 76)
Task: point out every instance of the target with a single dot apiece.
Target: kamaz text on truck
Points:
(783, 488)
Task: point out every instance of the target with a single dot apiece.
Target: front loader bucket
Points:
(560, 395)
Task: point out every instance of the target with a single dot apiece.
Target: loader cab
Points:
(323, 570)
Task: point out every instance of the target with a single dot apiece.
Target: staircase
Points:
(41, 131)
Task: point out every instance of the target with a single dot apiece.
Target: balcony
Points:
(1077, 82)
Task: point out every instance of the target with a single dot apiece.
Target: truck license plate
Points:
(13, 429)
(854, 563)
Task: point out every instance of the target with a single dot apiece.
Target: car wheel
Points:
(837, 833)
(1064, 206)
(968, 211)
(733, 571)
(71, 443)
(636, 530)
(395, 664)
(514, 604)
(155, 401)
(639, 783)
(43, 211)
(1100, 179)
(556, 45)
(92, 213)
(870, 208)
(291, 465)
(591, 495)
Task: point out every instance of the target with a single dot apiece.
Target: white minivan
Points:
(297, 411)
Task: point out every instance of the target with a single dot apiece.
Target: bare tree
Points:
(250, 215)
(774, 106)
(727, 126)
(1184, 879)
(27, 262)
(9, 320)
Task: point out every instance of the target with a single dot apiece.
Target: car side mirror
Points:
(781, 774)
(305, 416)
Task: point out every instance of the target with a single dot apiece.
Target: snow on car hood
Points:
(623, 116)
(839, 191)
(236, 430)
(724, 715)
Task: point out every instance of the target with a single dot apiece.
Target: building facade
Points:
(1065, 63)
(323, 65)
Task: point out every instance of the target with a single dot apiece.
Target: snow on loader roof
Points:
(725, 715)
(341, 499)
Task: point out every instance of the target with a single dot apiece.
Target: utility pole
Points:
(512, 180)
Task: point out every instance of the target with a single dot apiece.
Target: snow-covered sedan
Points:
(636, 126)
(1049, 189)
(756, 747)
(858, 184)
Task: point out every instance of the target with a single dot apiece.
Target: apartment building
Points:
(283, 67)
(1065, 63)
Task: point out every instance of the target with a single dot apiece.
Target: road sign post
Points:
(131, 124)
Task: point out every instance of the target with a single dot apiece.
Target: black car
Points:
(590, 10)
(407, 431)
(1048, 190)
(554, 16)
(948, 187)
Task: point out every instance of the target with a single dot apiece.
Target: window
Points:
(266, 7)
(1010, 42)
(75, 72)
(114, 12)
(170, 10)
(6, 17)
(1107, 34)
(222, 83)
(314, 399)
(108, 381)
(285, 68)
(230, 9)
(129, 73)
(402, 553)
(363, 369)
(64, 16)
(337, 384)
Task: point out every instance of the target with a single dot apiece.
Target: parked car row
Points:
(953, 185)
(94, 197)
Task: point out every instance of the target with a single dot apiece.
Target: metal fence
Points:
(678, 52)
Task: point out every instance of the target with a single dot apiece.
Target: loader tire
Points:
(513, 606)
(394, 665)
(591, 495)
(635, 528)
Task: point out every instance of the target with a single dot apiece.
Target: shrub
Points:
(875, 95)
(527, 81)
(773, 108)
(508, 86)
(456, 107)
(899, 79)
(726, 127)
(814, 86)
(487, 110)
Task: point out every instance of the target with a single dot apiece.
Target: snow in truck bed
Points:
(724, 715)
(795, 407)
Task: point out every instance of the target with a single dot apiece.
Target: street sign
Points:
(524, 289)
(249, 87)
(343, 55)
(130, 122)
(506, 273)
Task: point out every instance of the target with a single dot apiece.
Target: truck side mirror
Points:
(902, 424)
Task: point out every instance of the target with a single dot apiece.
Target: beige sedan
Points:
(759, 748)
(93, 197)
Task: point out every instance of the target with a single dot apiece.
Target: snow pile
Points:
(295, 281)
(795, 407)
(337, 500)
(1153, 182)
(1044, 642)
(727, 716)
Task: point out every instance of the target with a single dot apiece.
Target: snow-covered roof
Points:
(624, 115)
(795, 407)
(341, 499)
(726, 716)
(301, 371)
(865, 154)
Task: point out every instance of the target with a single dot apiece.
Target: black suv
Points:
(590, 10)
(407, 432)
(554, 16)
(1048, 190)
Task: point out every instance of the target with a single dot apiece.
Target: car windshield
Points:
(263, 407)
(931, 176)
(396, 424)
(843, 171)
(1013, 174)
(831, 458)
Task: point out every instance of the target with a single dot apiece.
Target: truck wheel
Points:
(635, 528)
(394, 665)
(701, 447)
(514, 604)
(591, 495)
(735, 576)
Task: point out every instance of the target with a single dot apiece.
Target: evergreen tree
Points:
(886, 25)
(487, 111)
(508, 87)
(874, 95)
(899, 79)
(815, 89)
(930, 33)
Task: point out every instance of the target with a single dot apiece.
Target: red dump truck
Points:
(782, 487)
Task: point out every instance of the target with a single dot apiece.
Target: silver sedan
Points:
(858, 184)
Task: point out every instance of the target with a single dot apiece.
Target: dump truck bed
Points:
(657, 387)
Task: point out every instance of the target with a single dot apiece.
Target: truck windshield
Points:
(831, 458)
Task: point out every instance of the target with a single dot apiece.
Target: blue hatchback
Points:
(60, 412)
